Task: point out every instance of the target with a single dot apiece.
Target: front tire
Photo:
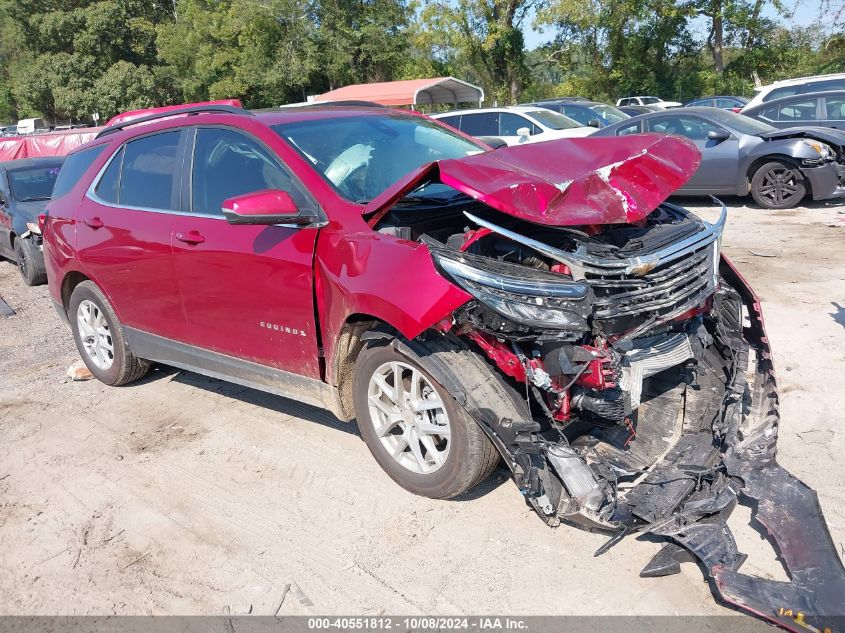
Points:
(100, 337)
(30, 262)
(778, 185)
(418, 434)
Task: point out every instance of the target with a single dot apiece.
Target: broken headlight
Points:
(824, 152)
(535, 298)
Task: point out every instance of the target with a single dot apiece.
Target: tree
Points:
(486, 37)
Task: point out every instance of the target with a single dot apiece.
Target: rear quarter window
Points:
(74, 168)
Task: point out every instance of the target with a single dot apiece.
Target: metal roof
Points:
(409, 92)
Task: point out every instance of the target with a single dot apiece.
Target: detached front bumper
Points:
(826, 181)
(814, 597)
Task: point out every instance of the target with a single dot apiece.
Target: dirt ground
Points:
(184, 495)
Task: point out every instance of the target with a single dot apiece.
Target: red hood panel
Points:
(566, 182)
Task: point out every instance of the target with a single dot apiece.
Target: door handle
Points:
(191, 237)
(94, 223)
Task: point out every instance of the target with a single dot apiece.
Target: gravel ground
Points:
(181, 494)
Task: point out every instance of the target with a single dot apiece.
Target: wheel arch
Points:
(70, 281)
(758, 162)
(345, 349)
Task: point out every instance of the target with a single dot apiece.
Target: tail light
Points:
(42, 221)
(736, 109)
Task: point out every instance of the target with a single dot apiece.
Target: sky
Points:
(803, 13)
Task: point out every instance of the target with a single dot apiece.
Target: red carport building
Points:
(409, 92)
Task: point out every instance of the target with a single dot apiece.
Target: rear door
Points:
(247, 290)
(123, 233)
(833, 111)
(719, 159)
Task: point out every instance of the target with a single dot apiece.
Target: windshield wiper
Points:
(34, 199)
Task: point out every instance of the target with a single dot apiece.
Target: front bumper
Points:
(826, 181)
(814, 597)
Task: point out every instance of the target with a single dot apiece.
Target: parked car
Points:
(740, 155)
(25, 188)
(463, 305)
(732, 103)
(825, 109)
(589, 113)
(797, 86)
(31, 126)
(657, 102)
(636, 110)
(514, 124)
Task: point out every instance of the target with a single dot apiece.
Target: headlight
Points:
(822, 149)
(544, 302)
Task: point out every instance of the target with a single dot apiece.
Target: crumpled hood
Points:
(826, 134)
(567, 182)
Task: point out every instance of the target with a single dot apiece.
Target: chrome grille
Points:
(668, 289)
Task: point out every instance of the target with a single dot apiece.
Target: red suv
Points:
(540, 304)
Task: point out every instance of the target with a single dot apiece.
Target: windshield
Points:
(33, 184)
(553, 120)
(740, 123)
(609, 113)
(650, 99)
(361, 156)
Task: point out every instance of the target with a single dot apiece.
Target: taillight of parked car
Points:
(42, 220)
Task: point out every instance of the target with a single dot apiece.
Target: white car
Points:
(797, 86)
(515, 124)
(657, 102)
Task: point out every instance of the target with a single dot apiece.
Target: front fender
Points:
(392, 280)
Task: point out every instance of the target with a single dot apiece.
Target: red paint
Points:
(499, 353)
(567, 182)
(258, 203)
(599, 373)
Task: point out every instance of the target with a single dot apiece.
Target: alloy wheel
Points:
(409, 417)
(781, 185)
(94, 334)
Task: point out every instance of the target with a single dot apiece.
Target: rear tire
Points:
(778, 185)
(30, 262)
(411, 451)
(100, 337)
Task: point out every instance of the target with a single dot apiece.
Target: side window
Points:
(509, 123)
(227, 163)
(786, 91)
(726, 103)
(835, 108)
(633, 128)
(110, 180)
(798, 110)
(582, 115)
(829, 84)
(454, 121)
(691, 127)
(149, 171)
(481, 124)
(74, 168)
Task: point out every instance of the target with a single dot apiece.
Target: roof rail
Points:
(209, 109)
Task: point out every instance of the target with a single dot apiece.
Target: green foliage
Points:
(69, 58)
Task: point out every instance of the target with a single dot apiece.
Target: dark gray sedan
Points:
(740, 155)
(25, 189)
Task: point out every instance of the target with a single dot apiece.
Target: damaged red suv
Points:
(541, 305)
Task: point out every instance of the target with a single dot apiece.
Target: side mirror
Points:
(594, 123)
(523, 133)
(718, 135)
(270, 206)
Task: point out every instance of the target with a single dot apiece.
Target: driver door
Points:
(719, 159)
(247, 291)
